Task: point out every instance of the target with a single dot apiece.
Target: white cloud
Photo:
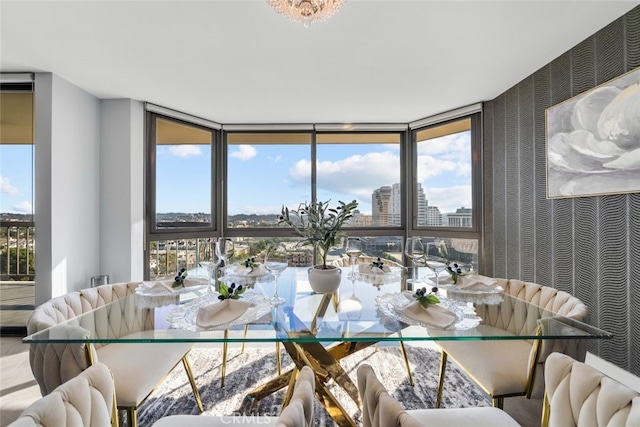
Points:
(356, 175)
(244, 152)
(448, 199)
(23, 207)
(185, 150)
(6, 187)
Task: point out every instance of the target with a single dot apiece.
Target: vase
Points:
(324, 281)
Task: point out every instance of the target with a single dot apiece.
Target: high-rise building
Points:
(434, 217)
(380, 200)
(460, 218)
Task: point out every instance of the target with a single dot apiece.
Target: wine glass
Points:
(276, 261)
(225, 250)
(352, 305)
(435, 260)
(414, 250)
(353, 249)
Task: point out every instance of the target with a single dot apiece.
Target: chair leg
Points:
(406, 362)
(244, 336)
(132, 417)
(278, 359)
(498, 402)
(443, 368)
(223, 369)
(192, 381)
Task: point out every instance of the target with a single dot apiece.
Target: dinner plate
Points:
(144, 291)
(394, 275)
(184, 317)
(392, 306)
(481, 294)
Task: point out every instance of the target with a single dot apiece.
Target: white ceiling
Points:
(240, 62)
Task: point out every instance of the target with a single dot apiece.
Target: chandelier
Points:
(306, 11)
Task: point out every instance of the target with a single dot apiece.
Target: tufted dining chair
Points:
(577, 395)
(86, 400)
(298, 413)
(506, 368)
(138, 368)
(379, 409)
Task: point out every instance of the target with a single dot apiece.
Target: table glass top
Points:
(364, 309)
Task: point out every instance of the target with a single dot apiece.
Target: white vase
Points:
(324, 281)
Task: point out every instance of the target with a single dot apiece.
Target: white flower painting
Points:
(593, 141)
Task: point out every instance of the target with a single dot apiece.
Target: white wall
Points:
(67, 186)
(122, 190)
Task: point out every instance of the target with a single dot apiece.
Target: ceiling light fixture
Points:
(306, 11)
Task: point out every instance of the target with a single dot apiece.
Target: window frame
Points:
(408, 169)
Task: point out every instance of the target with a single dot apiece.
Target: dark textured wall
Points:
(587, 246)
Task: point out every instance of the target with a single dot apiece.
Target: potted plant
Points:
(320, 226)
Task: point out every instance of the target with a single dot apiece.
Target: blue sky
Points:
(16, 182)
(264, 177)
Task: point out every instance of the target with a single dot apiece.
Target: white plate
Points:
(395, 275)
(391, 306)
(479, 294)
(144, 291)
(184, 317)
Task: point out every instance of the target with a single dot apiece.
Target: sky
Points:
(262, 178)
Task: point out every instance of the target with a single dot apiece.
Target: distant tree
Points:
(14, 264)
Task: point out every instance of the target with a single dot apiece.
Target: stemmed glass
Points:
(276, 261)
(225, 250)
(352, 305)
(414, 250)
(353, 249)
(434, 259)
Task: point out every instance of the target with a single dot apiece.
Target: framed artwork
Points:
(593, 140)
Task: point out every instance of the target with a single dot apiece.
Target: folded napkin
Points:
(433, 315)
(370, 269)
(221, 312)
(475, 282)
(240, 269)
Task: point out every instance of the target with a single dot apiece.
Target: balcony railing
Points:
(17, 251)
(17, 274)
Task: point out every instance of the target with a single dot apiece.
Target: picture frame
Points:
(593, 140)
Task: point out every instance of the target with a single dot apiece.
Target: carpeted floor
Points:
(247, 370)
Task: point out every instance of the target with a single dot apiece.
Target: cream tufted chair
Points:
(84, 401)
(137, 367)
(298, 413)
(579, 396)
(379, 409)
(505, 368)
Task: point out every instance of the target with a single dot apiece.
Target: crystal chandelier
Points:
(306, 11)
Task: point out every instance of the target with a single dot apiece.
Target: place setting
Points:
(180, 284)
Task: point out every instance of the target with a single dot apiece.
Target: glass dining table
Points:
(317, 330)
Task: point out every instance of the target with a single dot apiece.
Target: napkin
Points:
(475, 282)
(369, 269)
(433, 315)
(221, 312)
(240, 269)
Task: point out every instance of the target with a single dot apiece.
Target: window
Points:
(264, 172)
(444, 195)
(181, 174)
(363, 167)
(205, 183)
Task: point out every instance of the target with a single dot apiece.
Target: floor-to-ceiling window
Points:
(256, 170)
(17, 227)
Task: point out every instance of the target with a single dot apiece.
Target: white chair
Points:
(505, 368)
(138, 368)
(379, 409)
(577, 395)
(298, 413)
(86, 400)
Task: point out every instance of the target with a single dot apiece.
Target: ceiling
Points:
(240, 62)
